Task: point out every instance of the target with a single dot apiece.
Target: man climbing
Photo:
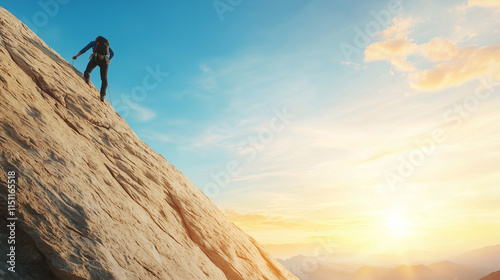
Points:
(99, 57)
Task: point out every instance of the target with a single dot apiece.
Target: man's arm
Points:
(85, 49)
(111, 53)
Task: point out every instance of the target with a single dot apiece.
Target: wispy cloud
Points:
(261, 221)
(483, 3)
(393, 50)
(396, 49)
(162, 137)
(456, 65)
(207, 80)
(356, 66)
(400, 28)
(141, 113)
(439, 49)
(466, 65)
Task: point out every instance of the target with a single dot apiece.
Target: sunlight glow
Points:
(397, 224)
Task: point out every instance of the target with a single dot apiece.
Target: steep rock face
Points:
(492, 276)
(93, 201)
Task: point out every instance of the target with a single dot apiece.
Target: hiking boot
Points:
(102, 97)
(87, 80)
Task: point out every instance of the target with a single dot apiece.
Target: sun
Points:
(397, 224)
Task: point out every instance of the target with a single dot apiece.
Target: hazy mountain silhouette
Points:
(370, 273)
(484, 257)
(449, 270)
(444, 270)
(412, 272)
(325, 272)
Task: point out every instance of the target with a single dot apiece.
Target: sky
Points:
(367, 127)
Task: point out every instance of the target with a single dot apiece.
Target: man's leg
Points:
(92, 64)
(104, 76)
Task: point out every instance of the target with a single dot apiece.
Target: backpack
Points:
(101, 46)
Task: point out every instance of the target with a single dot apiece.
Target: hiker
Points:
(99, 57)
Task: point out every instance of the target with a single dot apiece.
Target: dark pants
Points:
(103, 65)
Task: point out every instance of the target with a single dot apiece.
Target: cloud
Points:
(455, 67)
(356, 66)
(396, 49)
(260, 221)
(393, 50)
(400, 28)
(141, 113)
(208, 79)
(162, 137)
(439, 49)
(483, 3)
(205, 69)
(214, 136)
(461, 66)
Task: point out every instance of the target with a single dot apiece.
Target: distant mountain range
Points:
(478, 264)
(308, 268)
(435, 271)
(486, 257)
(411, 272)
(454, 271)
(370, 272)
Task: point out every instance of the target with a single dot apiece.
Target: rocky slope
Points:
(92, 200)
(492, 276)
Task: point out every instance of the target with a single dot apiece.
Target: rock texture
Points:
(492, 276)
(93, 200)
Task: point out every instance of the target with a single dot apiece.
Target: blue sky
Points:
(292, 137)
